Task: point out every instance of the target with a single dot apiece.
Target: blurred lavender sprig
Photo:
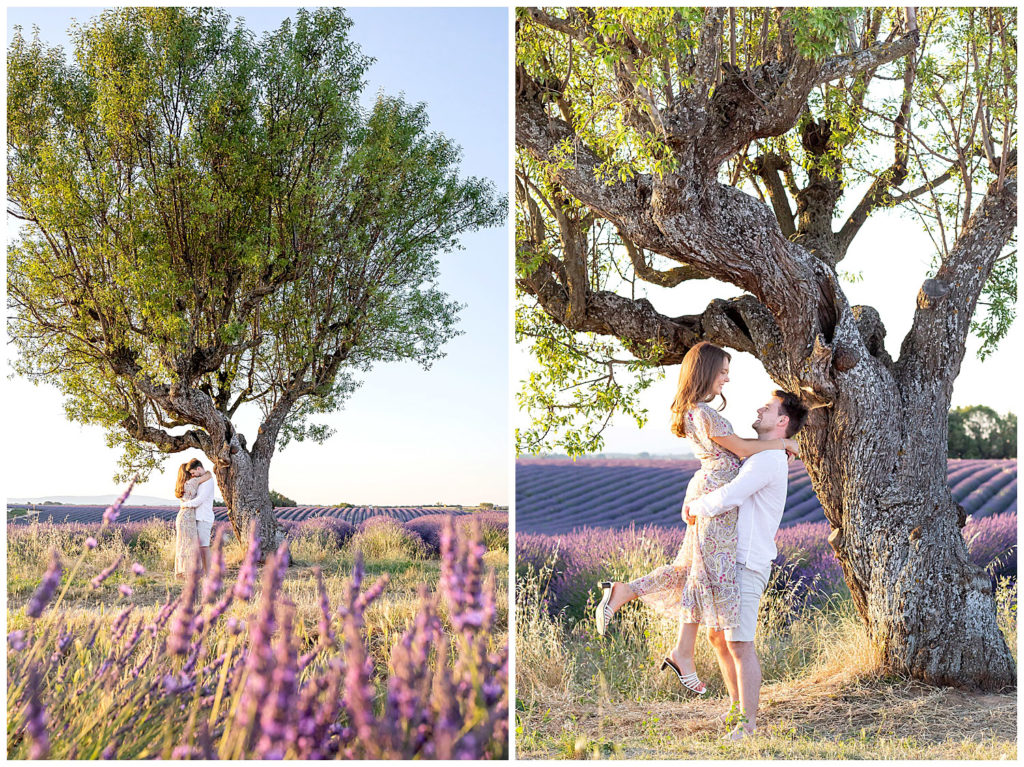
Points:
(443, 693)
(47, 588)
(112, 512)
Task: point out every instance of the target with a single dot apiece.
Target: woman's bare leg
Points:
(682, 654)
(621, 593)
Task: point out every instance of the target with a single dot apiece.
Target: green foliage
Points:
(205, 211)
(580, 381)
(277, 499)
(978, 431)
(626, 68)
(999, 302)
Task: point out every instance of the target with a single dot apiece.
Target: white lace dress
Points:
(186, 540)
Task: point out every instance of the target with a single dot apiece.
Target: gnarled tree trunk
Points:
(244, 481)
(877, 462)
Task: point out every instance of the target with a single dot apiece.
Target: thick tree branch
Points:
(194, 439)
(767, 167)
(868, 58)
(547, 138)
(879, 193)
(647, 273)
(934, 347)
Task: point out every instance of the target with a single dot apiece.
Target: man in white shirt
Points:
(759, 490)
(203, 504)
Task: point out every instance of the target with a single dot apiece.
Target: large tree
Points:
(657, 146)
(211, 223)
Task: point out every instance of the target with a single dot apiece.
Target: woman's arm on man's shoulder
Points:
(744, 448)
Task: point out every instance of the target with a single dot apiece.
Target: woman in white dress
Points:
(186, 541)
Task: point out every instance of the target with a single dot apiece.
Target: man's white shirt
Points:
(759, 490)
(203, 502)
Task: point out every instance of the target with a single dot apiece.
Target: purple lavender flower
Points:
(114, 510)
(104, 574)
(277, 727)
(259, 661)
(164, 614)
(47, 587)
(247, 572)
(35, 717)
(175, 683)
(118, 626)
(138, 569)
(283, 559)
(214, 580)
(125, 589)
(16, 640)
(90, 543)
(183, 624)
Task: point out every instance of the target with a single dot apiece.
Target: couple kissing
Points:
(194, 523)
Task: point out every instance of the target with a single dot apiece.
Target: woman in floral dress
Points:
(186, 536)
(700, 586)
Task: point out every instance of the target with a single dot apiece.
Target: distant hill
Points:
(557, 495)
(92, 500)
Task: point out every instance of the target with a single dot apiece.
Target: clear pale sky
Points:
(408, 435)
(894, 256)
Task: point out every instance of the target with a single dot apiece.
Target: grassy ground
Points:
(824, 697)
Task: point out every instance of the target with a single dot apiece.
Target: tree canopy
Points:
(211, 221)
(826, 115)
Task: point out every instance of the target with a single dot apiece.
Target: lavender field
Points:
(581, 696)
(351, 514)
(383, 639)
(555, 495)
(805, 570)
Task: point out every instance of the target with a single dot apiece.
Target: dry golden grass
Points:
(815, 718)
(824, 696)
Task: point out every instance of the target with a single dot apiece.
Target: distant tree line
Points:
(979, 431)
(277, 499)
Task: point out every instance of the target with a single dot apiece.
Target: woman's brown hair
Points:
(184, 476)
(697, 375)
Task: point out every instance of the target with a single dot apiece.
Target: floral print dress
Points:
(700, 585)
(186, 538)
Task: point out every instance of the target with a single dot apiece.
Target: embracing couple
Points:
(732, 508)
(194, 523)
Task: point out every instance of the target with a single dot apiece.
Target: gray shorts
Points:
(752, 585)
(204, 529)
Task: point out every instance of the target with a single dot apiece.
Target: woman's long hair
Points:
(184, 476)
(697, 375)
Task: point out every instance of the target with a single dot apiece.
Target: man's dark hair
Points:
(791, 407)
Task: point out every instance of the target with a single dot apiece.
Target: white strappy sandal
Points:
(690, 681)
(604, 613)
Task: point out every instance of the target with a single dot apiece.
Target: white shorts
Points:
(204, 529)
(752, 585)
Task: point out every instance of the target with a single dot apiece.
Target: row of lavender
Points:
(558, 495)
(806, 566)
(225, 671)
(351, 514)
(425, 530)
